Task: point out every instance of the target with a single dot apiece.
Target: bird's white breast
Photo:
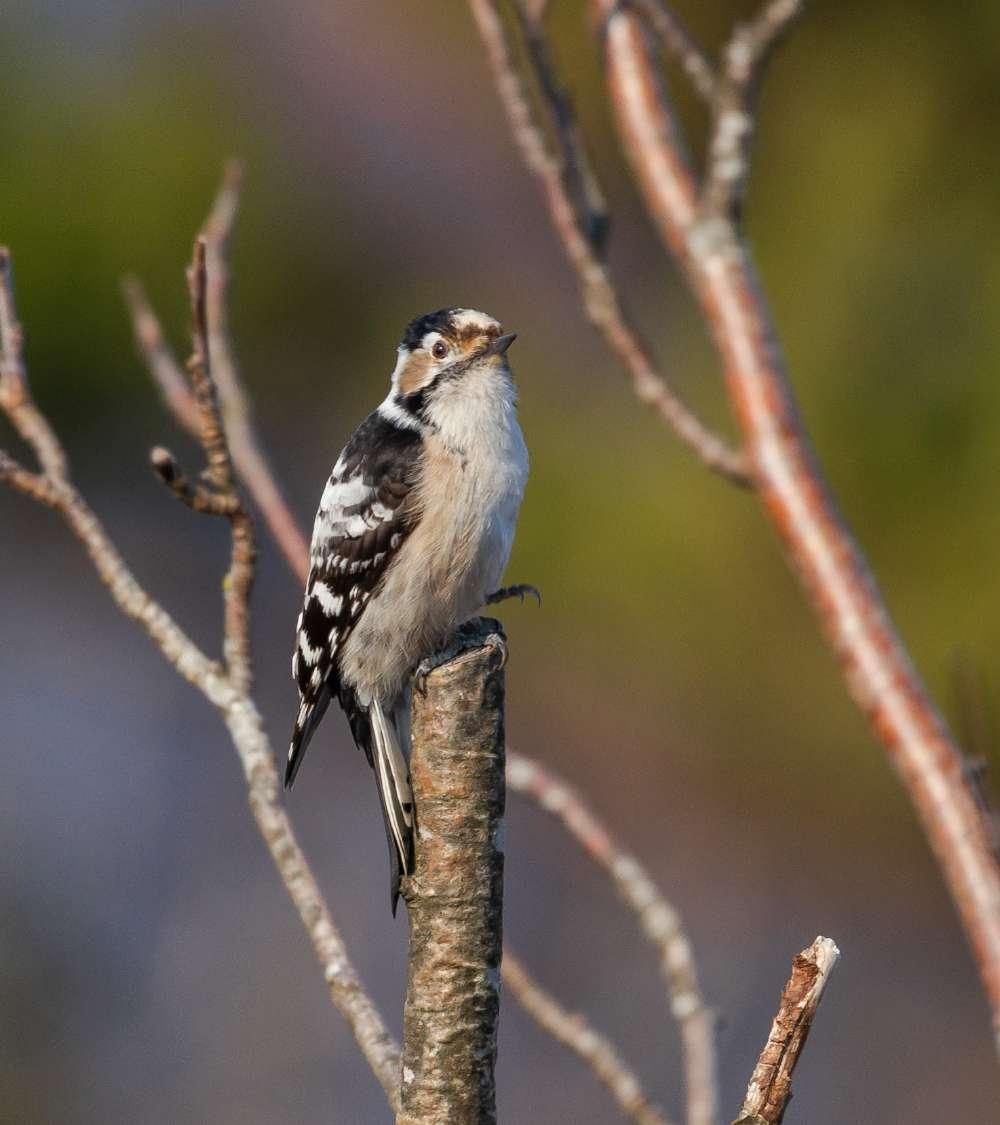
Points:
(474, 471)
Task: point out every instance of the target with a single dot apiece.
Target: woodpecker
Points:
(412, 536)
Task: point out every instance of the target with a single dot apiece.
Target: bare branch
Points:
(239, 579)
(15, 395)
(875, 663)
(35, 485)
(660, 923)
(244, 447)
(771, 1082)
(163, 366)
(244, 444)
(225, 692)
(680, 43)
(220, 468)
(579, 181)
(195, 496)
(599, 296)
(574, 1032)
(734, 110)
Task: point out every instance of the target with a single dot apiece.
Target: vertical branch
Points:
(239, 579)
(455, 896)
(237, 415)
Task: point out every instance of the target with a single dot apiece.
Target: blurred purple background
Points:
(151, 968)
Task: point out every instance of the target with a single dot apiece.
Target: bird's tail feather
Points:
(392, 775)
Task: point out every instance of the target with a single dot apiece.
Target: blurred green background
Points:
(150, 968)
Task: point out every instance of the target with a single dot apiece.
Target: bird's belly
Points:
(452, 560)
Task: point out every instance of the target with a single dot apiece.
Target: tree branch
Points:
(455, 895)
(241, 434)
(795, 496)
(659, 921)
(599, 297)
(734, 109)
(771, 1082)
(679, 42)
(167, 373)
(228, 692)
(573, 1031)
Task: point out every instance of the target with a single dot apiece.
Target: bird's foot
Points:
(521, 590)
(477, 633)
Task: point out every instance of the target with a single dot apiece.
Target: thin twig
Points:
(236, 413)
(54, 488)
(579, 181)
(239, 579)
(573, 1031)
(876, 665)
(599, 296)
(244, 446)
(163, 366)
(679, 42)
(734, 109)
(194, 495)
(770, 1085)
(660, 923)
(15, 397)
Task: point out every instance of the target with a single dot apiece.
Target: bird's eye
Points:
(440, 350)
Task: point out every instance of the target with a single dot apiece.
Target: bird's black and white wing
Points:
(365, 515)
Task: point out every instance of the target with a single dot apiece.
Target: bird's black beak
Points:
(501, 344)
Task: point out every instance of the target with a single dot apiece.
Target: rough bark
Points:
(770, 1087)
(455, 895)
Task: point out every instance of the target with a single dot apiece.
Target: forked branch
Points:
(700, 230)
(575, 229)
(227, 688)
(237, 417)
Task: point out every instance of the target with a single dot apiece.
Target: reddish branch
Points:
(701, 233)
(770, 1085)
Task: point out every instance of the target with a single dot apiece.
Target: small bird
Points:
(412, 536)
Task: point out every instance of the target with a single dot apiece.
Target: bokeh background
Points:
(151, 969)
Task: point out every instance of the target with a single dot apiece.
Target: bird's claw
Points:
(467, 636)
(521, 590)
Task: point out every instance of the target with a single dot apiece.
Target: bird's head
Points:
(448, 356)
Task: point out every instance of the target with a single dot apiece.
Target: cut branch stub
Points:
(770, 1087)
(455, 895)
